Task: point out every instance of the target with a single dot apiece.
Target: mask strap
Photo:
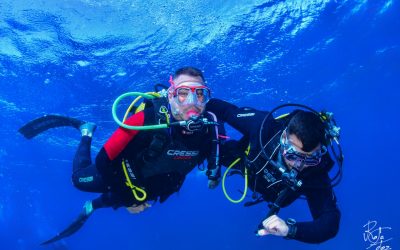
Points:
(171, 81)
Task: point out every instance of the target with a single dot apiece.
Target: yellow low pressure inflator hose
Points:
(154, 94)
(150, 95)
(245, 183)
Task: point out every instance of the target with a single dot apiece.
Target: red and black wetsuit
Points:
(160, 160)
(316, 182)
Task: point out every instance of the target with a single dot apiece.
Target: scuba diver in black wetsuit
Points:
(137, 166)
(283, 159)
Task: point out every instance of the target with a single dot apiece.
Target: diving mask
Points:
(290, 153)
(191, 93)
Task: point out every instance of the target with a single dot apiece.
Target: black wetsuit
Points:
(159, 160)
(316, 182)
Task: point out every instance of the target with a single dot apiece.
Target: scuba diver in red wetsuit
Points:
(135, 167)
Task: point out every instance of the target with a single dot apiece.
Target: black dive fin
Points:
(37, 126)
(71, 229)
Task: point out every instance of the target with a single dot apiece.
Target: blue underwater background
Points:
(74, 57)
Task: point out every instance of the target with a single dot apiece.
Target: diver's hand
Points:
(135, 209)
(275, 226)
(214, 176)
(213, 184)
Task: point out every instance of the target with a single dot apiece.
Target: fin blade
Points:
(71, 229)
(41, 124)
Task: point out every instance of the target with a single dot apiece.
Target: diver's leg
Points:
(85, 175)
(107, 199)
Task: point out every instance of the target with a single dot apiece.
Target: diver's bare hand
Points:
(135, 209)
(274, 225)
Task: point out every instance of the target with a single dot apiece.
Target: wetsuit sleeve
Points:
(245, 120)
(122, 136)
(326, 215)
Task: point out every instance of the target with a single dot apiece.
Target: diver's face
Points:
(295, 158)
(181, 106)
